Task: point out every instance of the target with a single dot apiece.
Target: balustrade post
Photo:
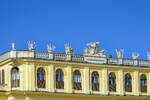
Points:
(68, 57)
(31, 54)
(13, 54)
(51, 56)
(120, 61)
(135, 62)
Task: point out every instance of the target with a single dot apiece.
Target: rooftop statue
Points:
(31, 45)
(119, 53)
(94, 50)
(148, 55)
(69, 50)
(135, 55)
(50, 48)
(13, 46)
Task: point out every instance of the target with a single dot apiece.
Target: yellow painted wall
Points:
(28, 71)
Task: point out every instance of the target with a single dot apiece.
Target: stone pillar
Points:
(86, 80)
(120, 86)
(136, 84)
(52, 80)
(69, 80)
(104, 81)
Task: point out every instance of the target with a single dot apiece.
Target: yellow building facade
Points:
(33, 75)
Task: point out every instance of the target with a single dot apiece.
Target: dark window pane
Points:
(143, 83)
(77, 80)
(59, 79)
(41, 82)
(15, 78)
(95, 81)
(128, 83)
(112, 82)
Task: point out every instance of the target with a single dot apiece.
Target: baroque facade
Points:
(34, 75)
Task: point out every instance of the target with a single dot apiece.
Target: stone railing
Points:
(4, 56)
(74, 58)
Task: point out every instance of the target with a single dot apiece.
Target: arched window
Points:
(77, 80)
(128, 83)
(3, 77)
(15, 77)
(112, 82)
(143, 83)
(95, 81)
(41, 82)
(59, 79)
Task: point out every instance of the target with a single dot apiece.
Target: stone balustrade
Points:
(74, 58)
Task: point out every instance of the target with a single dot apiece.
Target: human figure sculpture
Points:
(135, 55)
(31, 45)
(94, 50)
(13, 46)
(148, 55)
(50, 48)
(119, 53)
(69, 50)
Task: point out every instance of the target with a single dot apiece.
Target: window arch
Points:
(59, 79)
(143, 83)
(15, 77)
(95, 81)
(41, 80)
(128, 83)
(112, 82)
(77, 80)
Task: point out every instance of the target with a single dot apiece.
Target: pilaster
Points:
(120, 86)
(136, 85)
(148, 84)
(51, 77)
(105, 81)
(8, 75)
(86, 80)
(69, 80)
(30, 77)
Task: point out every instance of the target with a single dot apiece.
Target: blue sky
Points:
(114, 23)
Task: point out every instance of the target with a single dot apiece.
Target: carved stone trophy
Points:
(94, 50)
